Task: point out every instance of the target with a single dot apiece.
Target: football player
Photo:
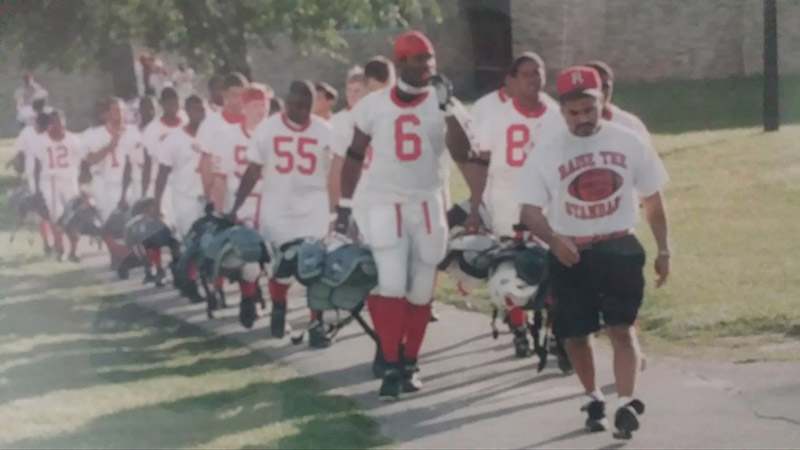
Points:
(57, 156)
(291, 152)
(25, 147)
(402, 209)
(326, 100)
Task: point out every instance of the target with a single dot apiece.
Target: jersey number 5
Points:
(408, 146)
(308, 163)
(517, 137)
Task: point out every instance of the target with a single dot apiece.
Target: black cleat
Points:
(626, 419)
(148, 275)
(122, 271)
(247, 312)
(59, 254)
(563, 359)
(391, 385)
(277, 320)
(161, 274)
(596, 411)
(317, 338)
(522, 348)
(410, 382)
(191, 292)
(74, 258)
(47, 249)
(378, 364)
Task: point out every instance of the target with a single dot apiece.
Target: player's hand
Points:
(335, 240)
(444, 91)
(662, 270)
(566, 251)
(473, 224)
(343, 217)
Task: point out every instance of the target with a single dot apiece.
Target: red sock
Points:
(278, 292)
(58, 237)
(417, 317)
(44, 231)
(391, 314)
(516, 315)
(219, 282)
(154, 257)
(192, 269)
(372, 308)
(248, 288)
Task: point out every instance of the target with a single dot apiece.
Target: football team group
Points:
(242, 187)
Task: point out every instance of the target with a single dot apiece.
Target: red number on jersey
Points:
(310, 157)
(286, 155)
(240, 157)
(59, 157)
(517, 137)
(401, 138)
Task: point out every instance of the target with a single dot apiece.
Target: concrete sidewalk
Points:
(478, 395)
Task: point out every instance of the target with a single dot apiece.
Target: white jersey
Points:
(181, 153)
(296, 162)
(343, 129)
(509, 134)
(615, 114)
(485, 105)
(184, 82)
(111, 168)
(211, 108)
(589, 185)
(25, 145)
(408, 160)
(58, 159)
(27, 115)
(153, 137)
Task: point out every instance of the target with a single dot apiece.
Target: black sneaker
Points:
(391, 385)
(277, 320)
(410, 382)
(122, 270)
(378, 364)
(159, 277)
(626, 419)
(596, 411)
(247, 312)
(59, 254)
(74, 258)
(48, 250)
(317, 338)
(522, 347)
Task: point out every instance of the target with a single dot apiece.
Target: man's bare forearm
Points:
(534, 219)
(656, 214)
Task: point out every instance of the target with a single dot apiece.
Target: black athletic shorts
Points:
(607, 280)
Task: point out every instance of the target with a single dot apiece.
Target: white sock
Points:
(622, 401)
(596, 395)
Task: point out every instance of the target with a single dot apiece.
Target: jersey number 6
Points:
(413, 150)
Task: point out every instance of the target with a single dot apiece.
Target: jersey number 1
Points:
(58, 159)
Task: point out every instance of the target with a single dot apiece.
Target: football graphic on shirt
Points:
(595, 185)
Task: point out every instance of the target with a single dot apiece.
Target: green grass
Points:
(735, 278)
(81, 367)
(681, 105)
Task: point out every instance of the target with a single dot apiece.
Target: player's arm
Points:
(656, 214)
(335, 181)
(93, 158)
(37, 175)
(161, 183)
(146, 170)
(126, 181)
(351, 173)
(219, 189)
(206, 168)
(249, 179)
(472, 165)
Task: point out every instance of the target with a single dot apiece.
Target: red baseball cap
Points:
(579, 79)
(411, 43)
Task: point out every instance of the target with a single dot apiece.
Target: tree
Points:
(210, 34)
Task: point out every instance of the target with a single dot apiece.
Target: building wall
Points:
(648, 40)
